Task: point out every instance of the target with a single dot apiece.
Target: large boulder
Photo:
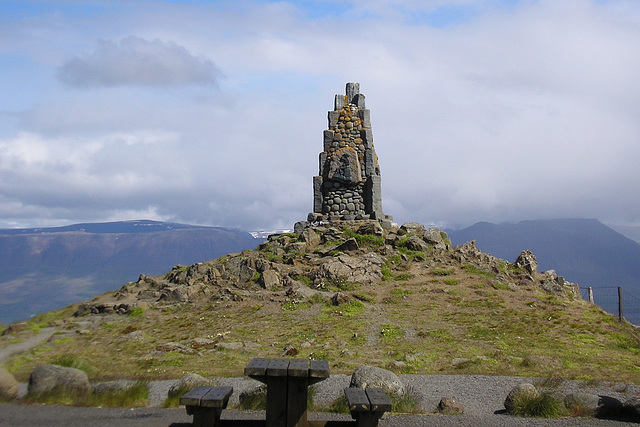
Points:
(433, 237)
(528, 262)
(53, 377)
(370, 376)
(188, 382)
(310, 238)
(365, 269)
(415, 243)
(518, 392)
(371, 227)
(412, 228)
(270, 280)
(594, 405)
(8, 386)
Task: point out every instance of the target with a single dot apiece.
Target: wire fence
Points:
(615, 300)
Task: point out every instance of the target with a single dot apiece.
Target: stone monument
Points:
(348, 185)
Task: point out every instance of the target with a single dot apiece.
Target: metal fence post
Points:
(620, 303)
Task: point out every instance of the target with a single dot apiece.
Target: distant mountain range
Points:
(48, 268)
(583, 251)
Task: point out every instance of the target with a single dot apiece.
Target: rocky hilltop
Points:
(323, 256)
(355, 293)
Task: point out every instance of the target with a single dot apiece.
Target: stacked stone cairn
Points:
(348, 186)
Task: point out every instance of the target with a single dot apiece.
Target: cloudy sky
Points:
(212, 112)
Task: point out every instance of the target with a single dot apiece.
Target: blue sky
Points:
(212, 112)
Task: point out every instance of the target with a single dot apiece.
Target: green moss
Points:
(364, 239)
(136, 312)
(472, 269)
(387, 274)
(390, 333)
(136, 395)
(500, 286)
(442, 271)
(294, 305)
(71, 361)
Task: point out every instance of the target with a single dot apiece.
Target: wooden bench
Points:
(367, 406)
(206, 404)
(287, 381)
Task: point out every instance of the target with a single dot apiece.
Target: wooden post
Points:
(590, 290)
(620, 303)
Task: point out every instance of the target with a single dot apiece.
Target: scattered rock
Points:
(369, 376)
(340, 298)
(521, 390)
(398, 365)
(371, 227)
(449, 406)
(198, 343)
(302, 292)
(188, 382)
(348, 245)
(229, 345)
(49, 377)
(459, 361)
(135, 335)
(290, 351)
(174, 346)
(8, 386)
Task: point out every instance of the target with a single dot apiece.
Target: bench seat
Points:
(206, 404)
(368, 405)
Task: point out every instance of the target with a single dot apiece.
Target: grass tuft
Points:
(136, 395)
(543, 405)
(72, 361)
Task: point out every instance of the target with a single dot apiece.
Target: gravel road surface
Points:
(481, 396)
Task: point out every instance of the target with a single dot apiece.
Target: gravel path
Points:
(27, 344)
(481, 396)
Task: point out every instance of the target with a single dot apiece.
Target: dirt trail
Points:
(27, 344)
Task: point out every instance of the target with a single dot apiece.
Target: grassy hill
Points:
(352, 293)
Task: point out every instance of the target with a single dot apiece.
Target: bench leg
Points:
(206, 417)
(276, 402)
(368, 419)
(297, 393)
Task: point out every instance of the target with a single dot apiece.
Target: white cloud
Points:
(521, 111)
(138, 62)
